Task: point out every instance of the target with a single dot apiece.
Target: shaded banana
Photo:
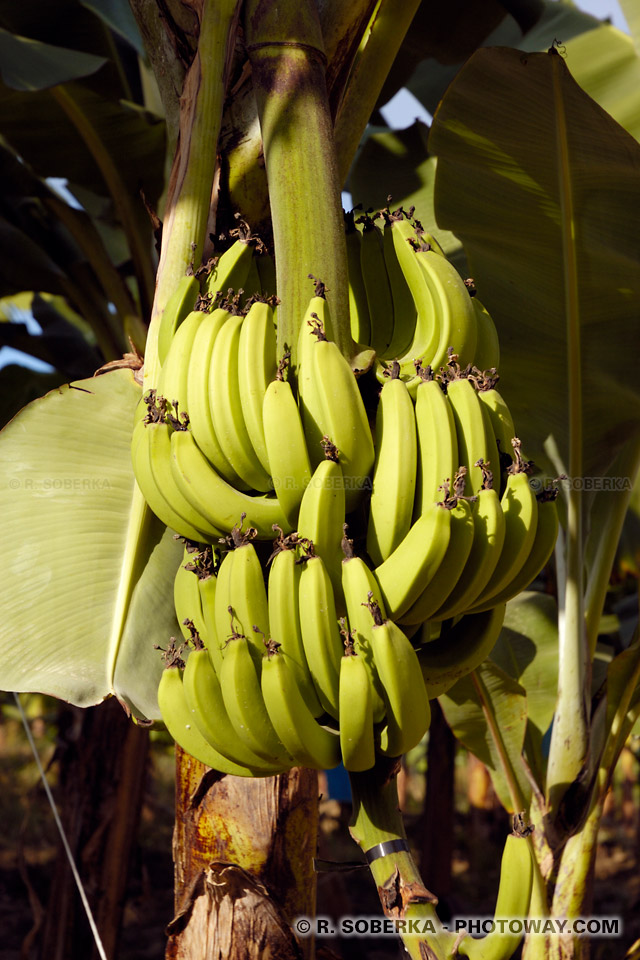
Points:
(377, 286)
(256, 369)
(230, 269)
(358, 306)
(459, 649)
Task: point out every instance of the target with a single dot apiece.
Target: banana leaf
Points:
(88, 569)
(27, 64)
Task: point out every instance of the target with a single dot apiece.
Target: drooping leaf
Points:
(487, 712)
(27, 64)
(88, 569)
(564, 179)
(117, 15)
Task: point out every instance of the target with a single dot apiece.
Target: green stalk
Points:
(191, 180)
(378, 49)
(285, 48)
(377, 818)
(570, 736)
(573, 884)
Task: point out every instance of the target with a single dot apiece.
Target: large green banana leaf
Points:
(88, 570)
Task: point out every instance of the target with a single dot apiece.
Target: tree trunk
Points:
(243, 852)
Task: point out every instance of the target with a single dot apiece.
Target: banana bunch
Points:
(319, 648)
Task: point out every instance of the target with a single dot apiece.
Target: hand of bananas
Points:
(298, 653)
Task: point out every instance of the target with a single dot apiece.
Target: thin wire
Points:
(65, 843)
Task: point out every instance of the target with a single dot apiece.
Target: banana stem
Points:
(191, 180)
(377, 819)
(285, 47)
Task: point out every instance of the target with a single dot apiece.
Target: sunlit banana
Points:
(487, 355)
(212, 496)
(174, 376)
(404, 305)
(180, 303)
(453, 563)
(320, 631)
(226, 407)
(151, 492)
(284, 616)
(198, 397)
(514, 896)
(321, 518)
(500, 418)
(230, 269)
(405, 575)
(488, 538)
(286, 447)
(180, 723)
(459, 649)
(394, 471)
(475, 437)
(358, 305)
(438, 457)
(377, 286)
(204, 698)
(187, 599)
(357, 740)
(241, 596)
(520, 509)
(305, 740)
(408, 712)
(541, 550)
(308, 387)
(256, 369)
(242, 694)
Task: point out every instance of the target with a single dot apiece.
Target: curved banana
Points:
(459, 649)
(284, 616)
(305, 740)
(286, 447)
(405, 575)
(180, 303)
(256, 369)
(242, 695)
(180, 723)
(241, 596)
(514, 897)
(488, 538)
(226, 407)
(198, 397)
(320, 631)
(405, 312)
(450, 570)
(187, 600)
(438, 457)
(359, 318)
(308, 391)
(520, 509)
(475, 437)
(210, 495)
(394, 470)
(204, 698)
(500, 418)
(174, 375)
(541, 550)
(321, 518)
(151, 491)
(408, 709)
(487, 355)
(230, 270)
(456, 316)
(357, 739)
(377, 286)
(207, 586)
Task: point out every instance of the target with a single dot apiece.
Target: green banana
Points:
(244, 703)
(437, 443)
(487, 355)
(286, 446)
(405, 575)
(241, 596)
(308, 391)
(475, 438)
(256, 369)
(321, 518)
(514, 897)
(230, 270)
(405, 312)
(305, 740)
(459, 649)
(226, 407)
(284, 616)
(198, 397)
(320, 631)
(377, 286)
(408, 709)
(212, 496)
(394, 470)
(174, 375)
(186, 597)
(357, 739)
(180, 303)
(500, 418)
(358, 305)
(204, 698)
